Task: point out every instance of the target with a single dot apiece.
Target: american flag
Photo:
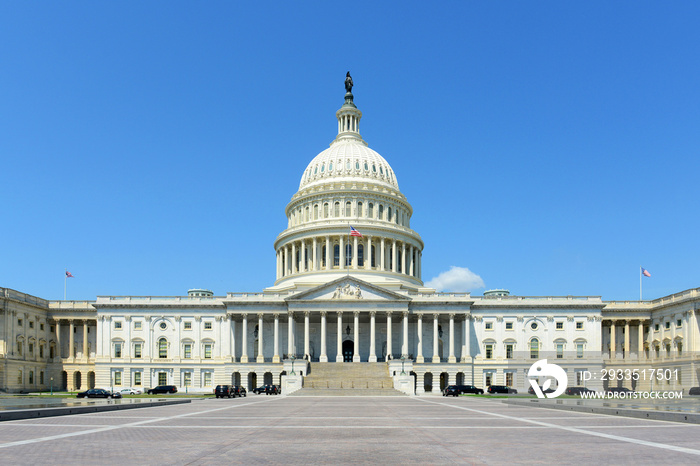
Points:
(354, 232)
(68, 274)
(645, 272)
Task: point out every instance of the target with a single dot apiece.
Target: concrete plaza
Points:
(346, 430)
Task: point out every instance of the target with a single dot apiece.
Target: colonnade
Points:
(368, 253)
(73, 325)
(676, 331)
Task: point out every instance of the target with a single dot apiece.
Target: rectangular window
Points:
(668, 325)
(509, 379)
(207, 325)
(509, 325)
(579, 350)
(679, 323)
(31, 324)
(188, 351)
(579, 377)
(137, 350)
(117, 350)
(117, 378)
(53, 329)
(41, 351)
(187, 379)
(41, 377)
(162, 378)
(188, 325)
(509, 351)
(560, 350)
(560, 325)
(31, 349)
(19, 348)
(207, 351)
(579, 325)
(489, 351)
(137, 379)
(656, 350)
(489, 325)
(656, 327)
(117, 325)
(137, 325)
(207, 379)
(19, 322)
(31, 377)
(668, 349)
(41, 327)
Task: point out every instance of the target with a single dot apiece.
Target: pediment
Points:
(348, 289)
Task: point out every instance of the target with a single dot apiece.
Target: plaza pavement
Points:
(347, 430)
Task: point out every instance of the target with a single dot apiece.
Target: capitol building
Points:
(348, 294)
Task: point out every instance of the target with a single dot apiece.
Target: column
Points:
(382, 261)
(436, 340)
(354, 252)
(356, 337)
(232, 337)
(419, 258)
(452, 358)
(59, 355)
(339, 350)
(640, 339)
(342, 252)
(261, 355)
(276, 353)
(220, 329)
(626, 351)
(278, 265)
(294, 258)
(419, 349)
(303, 256)
(372, 337)
(314, 262)
(244, 339)
(85, 339)
(71, 340)
(286, 261)
(368, 254)
(612, 339)
(466, 334)
(329, 265)
(410, 260)
(307, 351)
(403, 258)
(388, 336)
(323, 357)
(290, 335)
(394, 258)
(686, 332)
(404, 346)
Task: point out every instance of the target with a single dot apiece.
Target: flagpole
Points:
(640, 282)
(65, 280)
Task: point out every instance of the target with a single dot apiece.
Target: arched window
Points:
(534, 348)
(370, 213)
(323, 256)
(381, 212)
(359, 209)
(348, 255)
(336, 210)
(307, 214)
(373, 262)
(398, 214)
(162, 348)
(388, 214)
(315, 211)
(336, 255)
(348, 209)
(360, 255)
(325, 210)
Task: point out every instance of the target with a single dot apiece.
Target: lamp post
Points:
(51, 386)
(403, 359)
(292, 358)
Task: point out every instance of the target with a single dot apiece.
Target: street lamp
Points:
(403, 359)
(51, 386)
(292, 358)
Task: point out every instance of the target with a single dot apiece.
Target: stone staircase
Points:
(348, 379)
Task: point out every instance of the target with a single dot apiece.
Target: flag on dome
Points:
(354, 232)
(68, 274)
(645, 272)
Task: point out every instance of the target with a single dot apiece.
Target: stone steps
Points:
(345, 392)
(348, 379)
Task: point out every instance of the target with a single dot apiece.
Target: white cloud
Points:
(456, 279)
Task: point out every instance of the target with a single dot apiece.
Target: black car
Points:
(261, 389)
(238, 390)
(576, 390)
(501, 389)
(451, 390)
(273, 390)
(531, 390)
(694, 391)
(162, 389)
(98, 393)
(470, 389)
(223, 391)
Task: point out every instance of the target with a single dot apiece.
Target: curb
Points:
(18, 414)
(691, 418)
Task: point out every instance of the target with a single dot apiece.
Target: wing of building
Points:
(349, 294)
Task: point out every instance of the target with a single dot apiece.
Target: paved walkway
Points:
(347, 430)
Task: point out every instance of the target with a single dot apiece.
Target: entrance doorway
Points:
(348, 350)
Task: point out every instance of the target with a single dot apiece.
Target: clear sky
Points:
(551, 148)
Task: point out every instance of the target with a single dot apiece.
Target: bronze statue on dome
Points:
(348, 83)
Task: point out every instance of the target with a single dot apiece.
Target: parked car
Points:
(619, 390)
(98, 393)
(273, 390)
(261, 389)
(451, 390)
(222, 391)
(470, 389)
(531, 390)
(694, 391)
(130, 391)
(576, 390)
(239, 390)
(501, 389)
(162, 389)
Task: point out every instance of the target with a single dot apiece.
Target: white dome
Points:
(349, 160)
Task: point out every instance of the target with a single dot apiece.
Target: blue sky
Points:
(151, 147)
